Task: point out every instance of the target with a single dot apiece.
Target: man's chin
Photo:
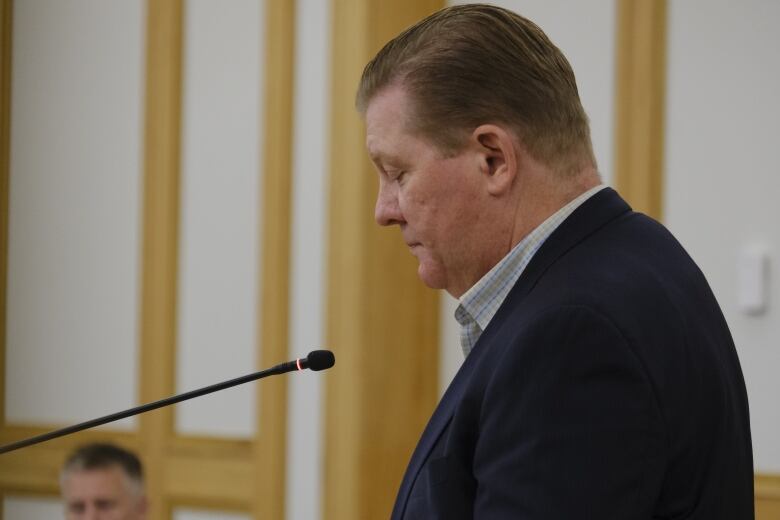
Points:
(431, 276)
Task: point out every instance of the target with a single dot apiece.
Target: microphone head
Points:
(320, 360)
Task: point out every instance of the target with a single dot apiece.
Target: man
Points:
(103, 482)
(600, 378)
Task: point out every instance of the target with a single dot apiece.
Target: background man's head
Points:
(469, 65)
(103, 481)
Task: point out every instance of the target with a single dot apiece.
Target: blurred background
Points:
(185, 198)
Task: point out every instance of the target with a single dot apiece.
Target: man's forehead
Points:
(97, 479)
(393, 96)
(386, 117)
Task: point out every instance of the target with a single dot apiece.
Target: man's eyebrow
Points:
(383, 157)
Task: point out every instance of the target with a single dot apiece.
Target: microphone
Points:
(316, 360)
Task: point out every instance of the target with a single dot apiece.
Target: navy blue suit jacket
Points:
(607, 386)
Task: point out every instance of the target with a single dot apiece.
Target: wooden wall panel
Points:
(767, 497)
(269, 454)
(382, 322)
(160, 238)
(639, 109)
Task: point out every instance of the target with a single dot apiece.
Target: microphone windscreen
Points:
(320, 359)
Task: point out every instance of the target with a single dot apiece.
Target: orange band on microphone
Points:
(298, 364)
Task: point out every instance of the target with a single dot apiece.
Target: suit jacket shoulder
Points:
(607, 386)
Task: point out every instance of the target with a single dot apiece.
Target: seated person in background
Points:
(103, 481)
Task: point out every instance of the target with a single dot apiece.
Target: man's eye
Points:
(105, 505)
(76, 507)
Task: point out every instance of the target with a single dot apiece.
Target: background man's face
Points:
(101, 494)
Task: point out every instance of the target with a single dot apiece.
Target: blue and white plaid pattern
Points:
(480, 303)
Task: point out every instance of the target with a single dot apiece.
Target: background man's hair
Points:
(102, 456)
(468, 65)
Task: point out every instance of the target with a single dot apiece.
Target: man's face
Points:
(101, 494)
(435, 200)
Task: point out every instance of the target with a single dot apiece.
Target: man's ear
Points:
(498, 157)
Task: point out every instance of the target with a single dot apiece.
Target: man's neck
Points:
(542, 199)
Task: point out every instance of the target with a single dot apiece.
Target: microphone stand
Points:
(317, 360)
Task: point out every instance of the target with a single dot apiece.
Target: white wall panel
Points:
(307, 275)
(31, 508)
(220, 208)
(74, 209)
(722, 178)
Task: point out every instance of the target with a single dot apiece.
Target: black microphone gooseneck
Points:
(316, 360)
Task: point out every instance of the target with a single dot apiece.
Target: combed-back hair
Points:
(473, 64)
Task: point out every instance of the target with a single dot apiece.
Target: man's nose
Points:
(387, 211)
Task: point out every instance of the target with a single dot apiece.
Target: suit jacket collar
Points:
(594, 213)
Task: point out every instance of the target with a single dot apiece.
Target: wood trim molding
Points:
(767, 490)
(639, 110)
(36, 469)
(377, 309)
(270, 445)
(160, 237)
(210, 473)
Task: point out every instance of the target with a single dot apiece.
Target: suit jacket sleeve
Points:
(569, 426)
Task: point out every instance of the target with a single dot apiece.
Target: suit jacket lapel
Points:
(593, 214)
(436, 425)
